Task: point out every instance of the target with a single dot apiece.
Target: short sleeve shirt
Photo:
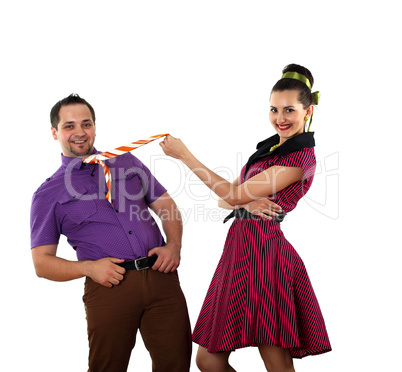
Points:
(72, 202)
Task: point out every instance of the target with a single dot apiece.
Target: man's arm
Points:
(49, 266)
(168, 255)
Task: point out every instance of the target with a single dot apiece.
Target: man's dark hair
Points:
(72, 99)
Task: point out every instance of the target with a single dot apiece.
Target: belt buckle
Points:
(136, 264)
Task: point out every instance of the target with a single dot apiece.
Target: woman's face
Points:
(287, 114)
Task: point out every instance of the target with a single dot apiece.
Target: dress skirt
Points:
(260, 294)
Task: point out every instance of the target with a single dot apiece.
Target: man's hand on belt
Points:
(106, 272)
(168, 257)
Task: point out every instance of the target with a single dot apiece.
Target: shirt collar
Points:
(73, 162)
(298, 142)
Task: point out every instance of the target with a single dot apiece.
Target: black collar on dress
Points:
(299, 142)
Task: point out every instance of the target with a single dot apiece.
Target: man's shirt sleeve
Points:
(44, 226)
(153, 190)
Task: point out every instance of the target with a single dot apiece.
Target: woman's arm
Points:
(264, 207)
(265, 183)
(225, 205)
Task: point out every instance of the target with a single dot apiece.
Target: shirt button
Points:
(117, 211)
(130, 232)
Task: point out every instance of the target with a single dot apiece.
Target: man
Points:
(108, 237)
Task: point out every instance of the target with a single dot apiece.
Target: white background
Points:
(203, 70)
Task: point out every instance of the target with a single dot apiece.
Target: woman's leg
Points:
(208, 362)
(276, 359)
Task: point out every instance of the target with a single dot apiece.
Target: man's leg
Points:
(165, 325)
(113, 316)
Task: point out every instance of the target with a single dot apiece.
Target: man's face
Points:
(75, 131)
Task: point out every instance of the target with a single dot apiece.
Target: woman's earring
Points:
(306, 118)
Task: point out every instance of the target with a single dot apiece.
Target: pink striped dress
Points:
(260, 292)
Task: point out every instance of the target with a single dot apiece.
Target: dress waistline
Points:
(243, 213)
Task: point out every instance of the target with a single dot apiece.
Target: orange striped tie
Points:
(97, 158)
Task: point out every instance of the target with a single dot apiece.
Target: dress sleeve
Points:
(44, 226)
(304, 158)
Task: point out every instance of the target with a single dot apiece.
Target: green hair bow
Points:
(305, 80)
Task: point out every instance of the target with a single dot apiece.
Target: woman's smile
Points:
(283, 127)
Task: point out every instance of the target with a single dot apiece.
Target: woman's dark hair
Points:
(305, 97)
(72, 99)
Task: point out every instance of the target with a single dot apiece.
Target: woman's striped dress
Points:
(260, 292)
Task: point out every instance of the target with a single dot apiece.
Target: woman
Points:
(260, 294)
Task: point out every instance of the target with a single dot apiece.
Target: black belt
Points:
(139, 264)
(243, 213)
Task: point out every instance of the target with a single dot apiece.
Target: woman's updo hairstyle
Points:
(305, 96)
